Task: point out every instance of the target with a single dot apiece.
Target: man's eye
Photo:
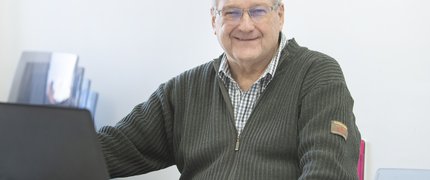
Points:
(258, 11)
(232, 13)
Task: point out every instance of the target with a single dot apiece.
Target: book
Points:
(29, 83)
(52, 78)
(60, 80)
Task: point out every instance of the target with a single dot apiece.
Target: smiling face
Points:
(247, 40)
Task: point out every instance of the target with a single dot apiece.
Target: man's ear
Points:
(281, 15)
(213, 19)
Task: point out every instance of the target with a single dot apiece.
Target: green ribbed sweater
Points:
(188, 122)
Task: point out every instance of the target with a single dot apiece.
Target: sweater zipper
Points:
(234, 165)
(236, 148)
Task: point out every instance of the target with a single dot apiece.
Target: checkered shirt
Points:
(244, 102)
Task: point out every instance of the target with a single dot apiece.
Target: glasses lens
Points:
(232, 14)
(258, 12)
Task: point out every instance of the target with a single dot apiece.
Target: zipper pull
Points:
(237, 144)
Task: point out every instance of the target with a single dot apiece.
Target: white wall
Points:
(129, 47)
(9, 52)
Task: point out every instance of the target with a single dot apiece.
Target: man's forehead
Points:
(223, 3)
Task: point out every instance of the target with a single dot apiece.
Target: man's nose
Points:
(246, 23)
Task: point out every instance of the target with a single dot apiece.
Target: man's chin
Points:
(247, 57)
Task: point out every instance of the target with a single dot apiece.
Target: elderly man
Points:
(266, 109)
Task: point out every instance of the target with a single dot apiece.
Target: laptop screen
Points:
(42, 142)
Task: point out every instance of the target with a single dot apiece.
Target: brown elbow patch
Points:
(339, 128)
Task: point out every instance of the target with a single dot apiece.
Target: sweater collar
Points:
(290, 50)
(224, 69)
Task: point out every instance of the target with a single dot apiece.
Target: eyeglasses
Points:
(234, 15)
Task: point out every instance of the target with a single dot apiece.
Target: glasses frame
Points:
(220, 11)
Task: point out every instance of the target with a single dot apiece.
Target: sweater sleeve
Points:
(141, 141)
(328, 136)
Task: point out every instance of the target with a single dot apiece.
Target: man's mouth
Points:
(246, 39)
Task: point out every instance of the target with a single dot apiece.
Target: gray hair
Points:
(214, 2)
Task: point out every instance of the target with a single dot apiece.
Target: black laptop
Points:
(48, 143)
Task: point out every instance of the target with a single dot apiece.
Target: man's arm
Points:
(141, 142)
(328, 136)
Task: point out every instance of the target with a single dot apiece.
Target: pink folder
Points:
(360, 167)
